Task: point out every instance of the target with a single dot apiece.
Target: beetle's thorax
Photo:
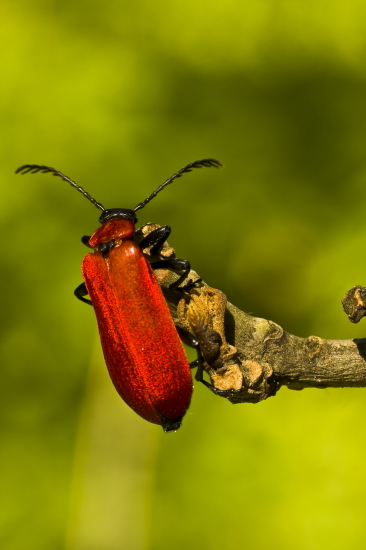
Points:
(114, 229)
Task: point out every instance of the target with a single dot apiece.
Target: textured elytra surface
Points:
(143, 353)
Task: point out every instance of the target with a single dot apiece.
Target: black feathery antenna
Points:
(34, 168)
(208, 163)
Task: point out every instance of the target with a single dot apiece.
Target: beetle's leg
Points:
(85, 240)
(191, 341)
(155, 239)
(199, 378)
(187, 338)
(80, 292)
(189, 285)
(105, 248)
(176, 265)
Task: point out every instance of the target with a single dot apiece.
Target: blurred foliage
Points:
(119, 95)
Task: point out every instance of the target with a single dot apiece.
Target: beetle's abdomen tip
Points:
(171, 425)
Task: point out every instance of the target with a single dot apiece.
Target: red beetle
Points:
(142, 348)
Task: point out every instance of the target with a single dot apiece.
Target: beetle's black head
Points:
(121, 213)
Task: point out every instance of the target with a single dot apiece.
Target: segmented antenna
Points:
(34, 168)
(208, 163)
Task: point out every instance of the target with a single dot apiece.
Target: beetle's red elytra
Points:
(142, 349)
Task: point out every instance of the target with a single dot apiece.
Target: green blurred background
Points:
(119, 95)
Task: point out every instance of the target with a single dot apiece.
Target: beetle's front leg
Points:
(155, 239)
(80, 292)
(85, 240)
(176, 265)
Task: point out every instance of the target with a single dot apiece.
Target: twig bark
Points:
(252, 358)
